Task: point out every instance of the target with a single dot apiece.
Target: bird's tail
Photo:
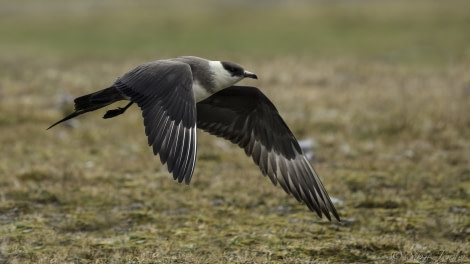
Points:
(93, 101)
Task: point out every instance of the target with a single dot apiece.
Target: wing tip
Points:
(325, 212)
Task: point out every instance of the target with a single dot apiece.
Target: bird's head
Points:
(227, 74)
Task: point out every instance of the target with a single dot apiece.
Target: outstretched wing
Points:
(245, 116)
(163, 91)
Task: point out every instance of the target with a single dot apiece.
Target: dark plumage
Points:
(246, 117)
(178, 95)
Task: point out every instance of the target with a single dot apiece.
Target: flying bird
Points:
(178, 95)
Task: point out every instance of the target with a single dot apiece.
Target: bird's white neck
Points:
(200, 92)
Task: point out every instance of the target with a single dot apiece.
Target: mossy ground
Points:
(391, 132)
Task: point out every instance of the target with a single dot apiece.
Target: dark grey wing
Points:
(245, 116)
(163, 91)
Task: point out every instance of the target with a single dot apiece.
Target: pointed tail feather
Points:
(93, 101)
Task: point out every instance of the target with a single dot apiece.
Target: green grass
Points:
(385, 30)
(382, 87)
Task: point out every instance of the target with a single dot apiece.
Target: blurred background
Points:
(382, 30)
(377, 90)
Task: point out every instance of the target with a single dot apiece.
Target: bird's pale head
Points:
(227, 74)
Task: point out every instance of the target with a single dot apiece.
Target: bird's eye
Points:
(234, 70)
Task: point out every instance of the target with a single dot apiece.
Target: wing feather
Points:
(246, 117)
(163, 91)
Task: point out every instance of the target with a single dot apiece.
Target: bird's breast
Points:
(200, 92)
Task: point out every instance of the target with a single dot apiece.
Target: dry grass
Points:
(392, 142)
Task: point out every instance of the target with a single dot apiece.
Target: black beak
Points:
(251, 75)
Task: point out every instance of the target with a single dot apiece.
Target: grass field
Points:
(382, 88)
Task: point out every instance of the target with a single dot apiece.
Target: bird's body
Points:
(178, 95)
